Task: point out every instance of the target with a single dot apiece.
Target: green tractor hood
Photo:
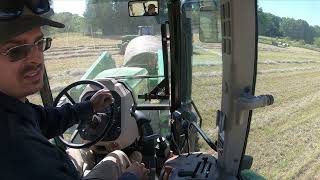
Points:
(129, 76)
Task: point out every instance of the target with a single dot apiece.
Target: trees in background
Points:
(72, 22)
(317, 41)
(268, 24)
(274, 26)
(297, 30)
(111, 17)
(101, 17)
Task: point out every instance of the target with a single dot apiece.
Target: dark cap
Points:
(24, 23)
(151, 6)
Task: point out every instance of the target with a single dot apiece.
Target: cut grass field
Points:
(284, 138)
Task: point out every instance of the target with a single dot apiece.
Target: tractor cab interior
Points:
(156, 67)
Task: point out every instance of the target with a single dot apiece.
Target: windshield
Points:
(101, 40)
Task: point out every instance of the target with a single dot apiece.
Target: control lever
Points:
(162, 152)
(183, 173)
(139, 116)
(205, 160)
(208, 170)
(151, 137)
(205, 137)
(193, 166)
(179, 127)
(141, 120)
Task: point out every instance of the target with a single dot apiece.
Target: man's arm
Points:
(55, 120)
(128, 176)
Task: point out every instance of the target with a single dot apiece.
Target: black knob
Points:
(95, 122)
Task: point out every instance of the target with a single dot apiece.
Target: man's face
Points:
(152, 10)
(25, 76)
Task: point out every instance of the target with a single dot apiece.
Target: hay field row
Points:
(285, 137)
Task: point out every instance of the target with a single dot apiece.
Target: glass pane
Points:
(284, 137)
(206, 67)
(96, 42)
(101, 40)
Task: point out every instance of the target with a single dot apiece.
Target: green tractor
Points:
(152, 84)
(142, 30)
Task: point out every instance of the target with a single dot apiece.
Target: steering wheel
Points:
(106, 129)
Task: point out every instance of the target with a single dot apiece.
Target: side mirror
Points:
(143, 8)
(210, 24)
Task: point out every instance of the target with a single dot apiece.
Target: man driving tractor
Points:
(151, 10)
(26, 127)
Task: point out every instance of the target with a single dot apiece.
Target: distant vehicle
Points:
(280, 44)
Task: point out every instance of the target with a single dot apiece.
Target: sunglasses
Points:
(22, 51)
(10, 9)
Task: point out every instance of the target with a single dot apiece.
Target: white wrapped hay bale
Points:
(142, 52)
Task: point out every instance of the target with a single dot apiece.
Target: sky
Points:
(73, 6)
(308, 10)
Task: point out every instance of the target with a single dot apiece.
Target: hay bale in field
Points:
(142, 52)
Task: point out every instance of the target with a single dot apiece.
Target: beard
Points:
(31, 84)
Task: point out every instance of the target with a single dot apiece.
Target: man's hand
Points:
(101, 100)
(139, 170)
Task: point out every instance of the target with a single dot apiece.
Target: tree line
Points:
(112, 18)
(104, 17)
(280, 27)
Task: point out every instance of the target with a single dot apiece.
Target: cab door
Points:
(239, 57)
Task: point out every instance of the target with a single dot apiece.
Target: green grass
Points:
(284, 137)
(77, 39)
(282, 134)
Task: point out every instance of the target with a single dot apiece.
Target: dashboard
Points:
(123, 130)
(111, 116)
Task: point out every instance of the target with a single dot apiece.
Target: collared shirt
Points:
(25, 151)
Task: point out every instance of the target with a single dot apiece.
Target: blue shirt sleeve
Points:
(56, 120)
(128, 176)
